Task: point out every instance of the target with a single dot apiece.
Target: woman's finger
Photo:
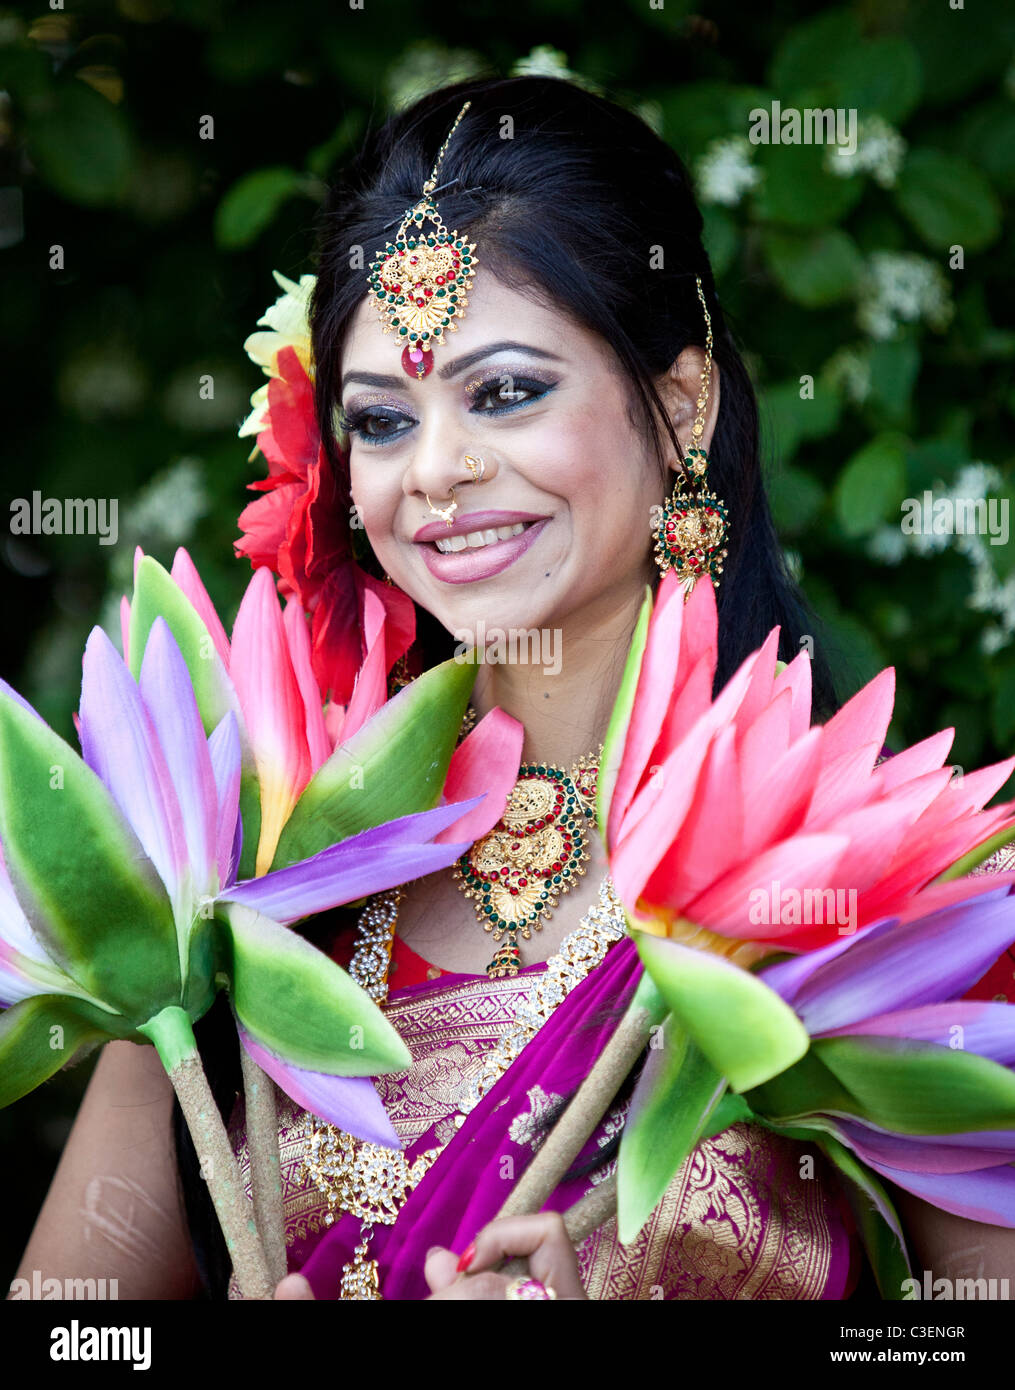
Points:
(543, 1239)
(440, 1268)
(294, 1286)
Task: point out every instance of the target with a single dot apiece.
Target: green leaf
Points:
(80, 144)
(809, 47)
(797, 189)
(947, 201)
(720, 237)
(620, 717)
(676, 1094)
(252, 202)
(872, 485)
(85, 884)
(894, 368)
(795, 498)
(395, 765)
(40, 1035)
(301, 1005)
(814, 270)
(790, 418)
(896, 1084)
(742, 1026)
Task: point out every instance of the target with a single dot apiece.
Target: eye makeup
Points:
(379, 422)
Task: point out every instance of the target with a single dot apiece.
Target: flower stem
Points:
(265, 1177)
(587, 1215)
(173, 1037)
(581, 1117)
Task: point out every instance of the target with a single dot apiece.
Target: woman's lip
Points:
(466, 566)
(472, 521)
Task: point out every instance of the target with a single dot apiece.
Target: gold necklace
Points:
(537, 851)
(516, 873)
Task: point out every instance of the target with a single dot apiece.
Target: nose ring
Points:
(471, 464)
(445, 513)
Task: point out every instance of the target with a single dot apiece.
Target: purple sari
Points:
(737, 1222)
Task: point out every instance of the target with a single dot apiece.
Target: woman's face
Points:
(561, 449)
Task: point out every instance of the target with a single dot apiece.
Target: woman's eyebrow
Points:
(452, 368)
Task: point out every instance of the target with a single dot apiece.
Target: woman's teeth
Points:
(475, 540)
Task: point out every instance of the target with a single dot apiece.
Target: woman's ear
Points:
(681, 389)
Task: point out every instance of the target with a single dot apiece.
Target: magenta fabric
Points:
(464, 1188)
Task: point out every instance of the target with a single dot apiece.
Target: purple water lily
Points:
(895, 1047)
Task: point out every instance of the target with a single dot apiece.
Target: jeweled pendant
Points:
(416, 362)
(421, 283)
(691, 536)
(507, 961)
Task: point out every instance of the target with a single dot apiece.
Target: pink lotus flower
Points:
(713, 801)
(268, 662)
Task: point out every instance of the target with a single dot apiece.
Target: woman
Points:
(547, 430)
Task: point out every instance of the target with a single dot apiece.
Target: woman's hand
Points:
(541, 1238)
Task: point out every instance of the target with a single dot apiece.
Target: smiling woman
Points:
(582, 421)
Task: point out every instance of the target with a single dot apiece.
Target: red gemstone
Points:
(523, 883)
(419, 303)
(419, 367)
(439, 280)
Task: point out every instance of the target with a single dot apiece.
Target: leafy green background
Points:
(169, 240)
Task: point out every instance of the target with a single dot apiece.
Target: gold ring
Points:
(471, 463)
(525, 1288)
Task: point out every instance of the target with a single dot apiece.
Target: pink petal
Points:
(184, 572)
(298, 638)
(487, 760)
(273, 709)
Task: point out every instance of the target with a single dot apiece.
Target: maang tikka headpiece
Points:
(422, 280)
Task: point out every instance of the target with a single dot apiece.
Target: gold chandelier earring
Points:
(693, 528)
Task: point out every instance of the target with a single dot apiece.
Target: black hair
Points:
(570, 195)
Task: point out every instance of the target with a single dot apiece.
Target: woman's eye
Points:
(505, 392)
(373, 428)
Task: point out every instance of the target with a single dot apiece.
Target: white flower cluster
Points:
(725, 172)
(890, 544)
(880, 152)
(426, 65)
(848, 371)
(902, 287)
(543, 61)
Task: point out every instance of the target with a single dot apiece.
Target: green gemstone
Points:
(441, 294)
(445, 322)
(411, 245)
(403, 330)
(413, 337)
(399, 245)
(430, 241)
(395, 323)
(555, 879)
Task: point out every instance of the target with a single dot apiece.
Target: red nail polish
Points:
(467, 1256)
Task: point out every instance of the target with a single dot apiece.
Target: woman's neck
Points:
(564, 692)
